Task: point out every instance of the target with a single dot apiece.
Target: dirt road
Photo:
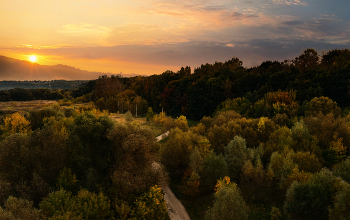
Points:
(176, 210)
(164, 135)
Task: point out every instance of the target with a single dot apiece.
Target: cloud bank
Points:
(152, 36)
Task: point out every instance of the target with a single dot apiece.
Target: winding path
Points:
(176, 210)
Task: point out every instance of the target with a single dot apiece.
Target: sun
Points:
(32, 58)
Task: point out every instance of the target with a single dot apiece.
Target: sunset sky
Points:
(151, 36)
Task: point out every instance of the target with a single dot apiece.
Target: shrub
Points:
(128, 116)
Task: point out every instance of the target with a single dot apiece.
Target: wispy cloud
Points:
(85, 33)
(202, 14)
(291, 2)
(139, 33)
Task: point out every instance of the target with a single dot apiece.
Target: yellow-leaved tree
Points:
(150, 205)
(16, 123)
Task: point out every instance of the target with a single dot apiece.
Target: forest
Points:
(268, 142)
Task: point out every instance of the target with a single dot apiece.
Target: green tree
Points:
(175, 154)
(36, 117)
(307, 161)
(17, 208)
(278, 141)
(333, 136)
(240, 105)
(322, 105)
(341, 208)
(191, 179)
(56, 203)
(150, 114)
(310, 200)
(100, 104)
(309, 59)
(282, 166)
(303, 140)
(228, 204)
(112, 104)
(132, 172)
(15, 158)
(236, 154)
(214, 168)
(91, 151)
(32, 163)
(106, 86)
(181, 122)
(343, 170)
(275, 213)
(224, 117)
(255, 182)
(207, 122)
(85, 205)
(67, 180)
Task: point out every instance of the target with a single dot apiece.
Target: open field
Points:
(23, 106)
(120, 118)
(16, 106)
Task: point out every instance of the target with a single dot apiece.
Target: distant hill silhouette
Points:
(13, 69)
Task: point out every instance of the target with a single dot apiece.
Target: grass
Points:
(157, 129)
(18, 106)
(24, 106)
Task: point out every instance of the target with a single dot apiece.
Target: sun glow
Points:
(32, 58)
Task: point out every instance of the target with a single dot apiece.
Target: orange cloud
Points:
(138, 33)
(86, 34)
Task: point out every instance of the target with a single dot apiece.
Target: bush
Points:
(128, 116)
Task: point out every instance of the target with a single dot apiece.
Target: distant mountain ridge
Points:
(14, 69)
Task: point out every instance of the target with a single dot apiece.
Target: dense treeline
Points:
(64, 163)
(196, 95)
(38, 84)
(19, 94)
(38, 90)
